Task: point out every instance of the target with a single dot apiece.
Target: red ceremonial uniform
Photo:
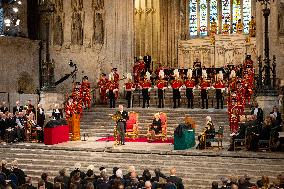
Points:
(161, 84)
(129, 86)
(176, 84)
(189, 83)
(86, 93)
(116, 77)
(138, 68)
(146, 84)
(103, 85)
(219, 85)
(69, 110)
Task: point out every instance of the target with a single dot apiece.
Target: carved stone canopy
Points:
(46, 7)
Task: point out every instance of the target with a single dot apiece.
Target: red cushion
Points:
(129, 124)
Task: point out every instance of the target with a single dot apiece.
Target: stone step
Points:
(196, 171)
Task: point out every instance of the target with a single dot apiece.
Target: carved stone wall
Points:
(19, 64)
(108, 39)
(228, 49)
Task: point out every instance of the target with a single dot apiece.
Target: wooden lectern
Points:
(75, 127)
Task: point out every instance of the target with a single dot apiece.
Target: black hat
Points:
(114, 69)
(77, 83)
(103, 74)
(85, 77)
(102, 168)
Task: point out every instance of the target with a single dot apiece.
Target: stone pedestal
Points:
(49, 99)
(267, 103)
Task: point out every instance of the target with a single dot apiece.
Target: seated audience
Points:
(175, 180)
(277, 115)
(20, 174)
(44, 177)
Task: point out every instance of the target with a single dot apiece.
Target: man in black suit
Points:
(174, 179)
(148, 60)
(17, 108)
(18, 172)
(4, 108)
(258, 112)
(121, 123)
(3, 126)
(277, 116)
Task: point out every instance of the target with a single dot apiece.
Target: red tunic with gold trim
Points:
(176, 84)
(189, 83)
(116, 77)
(138, 68)
(103, 85)
(161, 84)
(69, 110)
(86, 93)
(128, 86)
(112, 85)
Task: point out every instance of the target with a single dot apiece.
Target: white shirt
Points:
(255, 111)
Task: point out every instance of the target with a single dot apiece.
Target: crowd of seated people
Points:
(253, 129)
(24, 123)
(244, 182)
(15, 178)
(21, 123)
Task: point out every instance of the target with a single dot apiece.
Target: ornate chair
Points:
(163, 134)
(132, 125)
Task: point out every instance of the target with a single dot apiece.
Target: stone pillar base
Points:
(266, 103)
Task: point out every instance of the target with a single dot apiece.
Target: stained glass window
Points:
(1, 21)
(226, 11)
(198, 14)
(203, 17)
(246, 14)
(193, 17)
(236, 13)
(213, 10)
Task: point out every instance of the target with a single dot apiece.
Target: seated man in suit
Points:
(17, 108)
(258, 112)
(277, 115)
(174, 180)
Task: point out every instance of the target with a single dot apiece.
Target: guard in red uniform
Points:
(232, 81)
(103, 82)
(86, 92)
(204, 85)
(112, 89)
(176, 85)
(146, 87)
(69, 108)
(161, 85)
(139, 70)
(219, 88)
(116, 79)
(129, 87)
(189, 84)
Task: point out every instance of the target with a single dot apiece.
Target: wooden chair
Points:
(132, 125)
(218, 137)
(163, 134)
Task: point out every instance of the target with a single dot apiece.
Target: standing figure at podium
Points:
(219, 87)
(85, 91)
(121, 118)
(112, 89)
(176, 85)
(161, 85)
(146, 87)
(102, 84)
(189, 84)
(129, 87)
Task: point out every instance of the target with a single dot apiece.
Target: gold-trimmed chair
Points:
(132, 125)
(163, 134)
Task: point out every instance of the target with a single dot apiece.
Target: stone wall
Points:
(19, 66)
(107, 41)
(276, 33)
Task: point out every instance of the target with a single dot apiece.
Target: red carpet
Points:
(144, 139)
